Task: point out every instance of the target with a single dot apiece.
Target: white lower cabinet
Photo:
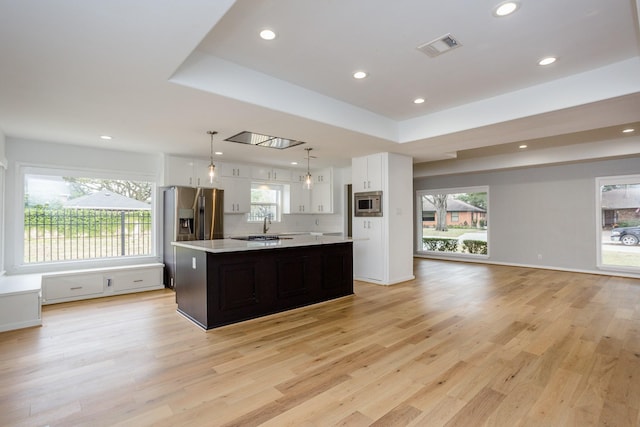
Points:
(77, 285)
(368, 249)
(68, 287)
(20, 301)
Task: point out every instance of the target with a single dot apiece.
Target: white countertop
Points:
(232, 245)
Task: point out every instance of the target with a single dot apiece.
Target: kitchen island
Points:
(224, 281)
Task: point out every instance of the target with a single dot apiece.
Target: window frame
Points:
(279, 205)
(418, 224)
(23, 169)
(599, 183)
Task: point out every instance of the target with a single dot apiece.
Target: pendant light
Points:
(308, 179)
(212, 167)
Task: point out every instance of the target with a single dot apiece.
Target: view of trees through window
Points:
(454, 221)
(68, 218)
(266, 202)
(620, 222)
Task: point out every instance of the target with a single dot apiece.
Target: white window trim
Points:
(418, 224)
(600, 182)
(23, 169)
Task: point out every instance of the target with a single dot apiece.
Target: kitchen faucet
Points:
(265, 228)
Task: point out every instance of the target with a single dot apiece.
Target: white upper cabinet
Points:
(266, 173)
(237, 194)
(234, 170)
(367, 173)
(201, 174)
(188, 172)
(317, 200)
(299, 199)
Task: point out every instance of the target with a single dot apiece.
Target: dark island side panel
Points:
(244, 285)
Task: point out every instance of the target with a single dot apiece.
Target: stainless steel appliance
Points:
(367, 203)
(189, 214)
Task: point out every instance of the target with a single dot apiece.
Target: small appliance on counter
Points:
(189, 214)
(367, 203)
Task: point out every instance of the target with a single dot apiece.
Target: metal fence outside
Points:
(78, 234)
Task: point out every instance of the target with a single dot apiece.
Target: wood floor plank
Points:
(462, 344)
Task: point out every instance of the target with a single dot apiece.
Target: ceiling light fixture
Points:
(294, 163)
(523, 146)
(547, 61)
(628, 130)
(506, 8)
(308, 179)
(267, 34)
(359, 75)
(418, 101)
(105, 137)
(212, 167)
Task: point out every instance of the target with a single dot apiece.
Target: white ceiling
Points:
(157, 75)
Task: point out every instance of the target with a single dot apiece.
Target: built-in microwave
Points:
(367, 204)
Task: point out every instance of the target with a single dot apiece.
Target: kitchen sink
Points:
(258, 237)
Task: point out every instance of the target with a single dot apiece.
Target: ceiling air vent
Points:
(439, 46)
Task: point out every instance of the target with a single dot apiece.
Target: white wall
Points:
(546, 211)
(3, 165)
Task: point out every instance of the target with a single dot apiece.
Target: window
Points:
(69, 218)
(618, 228)
(453, 221)
(266, 202)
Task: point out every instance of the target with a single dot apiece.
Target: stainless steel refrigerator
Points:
(189, 214)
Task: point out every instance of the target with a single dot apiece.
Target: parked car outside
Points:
(628, 236)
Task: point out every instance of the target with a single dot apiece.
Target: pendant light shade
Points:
(308, 179)
(212, 167)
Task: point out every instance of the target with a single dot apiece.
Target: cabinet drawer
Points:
(135, 279)
(64, 287)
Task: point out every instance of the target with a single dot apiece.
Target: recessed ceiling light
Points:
(105, 137)
(359, 75)
(418, 101)
(523, 146)
(267, 34)
(294, 163)
(218, 153)
(628, 130)
(506, 8)
(547, 61)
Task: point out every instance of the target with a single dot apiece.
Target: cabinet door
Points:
(374, 172)
(322, 176)
(267, 173)
(234, 170)
(359, 174)
(368, 252)
(237, 194)
(281, 175)
(72, 286)
(299, 199)
(367, 173)
(136, 279)
(178, 171)
(201, 174)
(321, 198)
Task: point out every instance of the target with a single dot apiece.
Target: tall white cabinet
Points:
(383, 246)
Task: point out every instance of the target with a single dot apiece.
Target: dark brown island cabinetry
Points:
(215, 289)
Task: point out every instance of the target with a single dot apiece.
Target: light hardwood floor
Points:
(462, 345)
